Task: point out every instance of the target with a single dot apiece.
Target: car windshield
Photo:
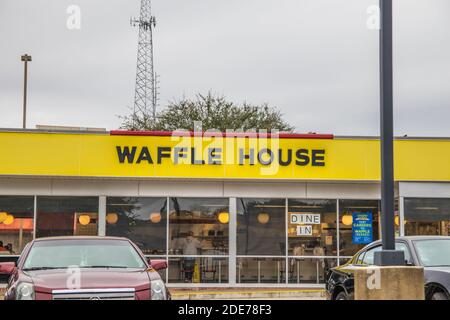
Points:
(83, 253)
(433, 253)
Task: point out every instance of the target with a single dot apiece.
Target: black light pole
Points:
(25, 58)
(388, 256)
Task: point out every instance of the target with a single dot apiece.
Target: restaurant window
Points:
(312, 227)
(16, 223)
(198, 270)
(198, 233)
(198, 226)
(261, 227)
(427, 216)
(358, 224)
(310, 270)
(66, 216)
(261, 270)
(142, 220)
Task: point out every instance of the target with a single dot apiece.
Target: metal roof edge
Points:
(16, 130)
(339, 137)
(180, 133)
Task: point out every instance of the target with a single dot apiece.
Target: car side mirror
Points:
(7, 267)
(158, 264)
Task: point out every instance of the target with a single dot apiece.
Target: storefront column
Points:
(232, 242)
(102, 216)
(34, 217)
(401, 208)
(338, 235)
(167, 236)
(286, 239)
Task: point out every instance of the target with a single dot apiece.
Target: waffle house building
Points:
(257, 210)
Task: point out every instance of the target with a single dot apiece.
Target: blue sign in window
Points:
(362, 228)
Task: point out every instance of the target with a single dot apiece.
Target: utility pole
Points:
(25, 58)
(388, 256)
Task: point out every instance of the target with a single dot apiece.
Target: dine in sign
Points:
(306, 221)
(304, 230)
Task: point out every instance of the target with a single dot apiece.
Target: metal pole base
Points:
(390, 258)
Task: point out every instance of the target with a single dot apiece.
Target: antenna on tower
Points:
(145, 95)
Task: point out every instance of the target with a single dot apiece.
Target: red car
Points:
(86, 268)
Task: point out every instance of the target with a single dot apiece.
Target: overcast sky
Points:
(316, 60)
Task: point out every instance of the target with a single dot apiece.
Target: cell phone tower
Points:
(145, 95)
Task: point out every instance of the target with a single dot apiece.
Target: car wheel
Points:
(439, 296)
(341, 296)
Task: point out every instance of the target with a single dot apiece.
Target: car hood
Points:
(346, 268)
(48, 280)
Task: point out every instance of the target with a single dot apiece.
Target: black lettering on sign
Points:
(214, 156)
(126, 153)
(195, 161)
(265, 156)
(288, 160)
(302, 157)
(145, 156)
(261, 157)
(179, 153)
(243, 156)
(163, 152)
(318, 158)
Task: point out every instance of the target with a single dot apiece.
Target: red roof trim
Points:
(223, 134)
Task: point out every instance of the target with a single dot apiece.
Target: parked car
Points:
(431, 252)
(86, 268)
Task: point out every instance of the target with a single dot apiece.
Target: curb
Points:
(318, 294)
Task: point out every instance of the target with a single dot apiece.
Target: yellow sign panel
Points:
(97, 155)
